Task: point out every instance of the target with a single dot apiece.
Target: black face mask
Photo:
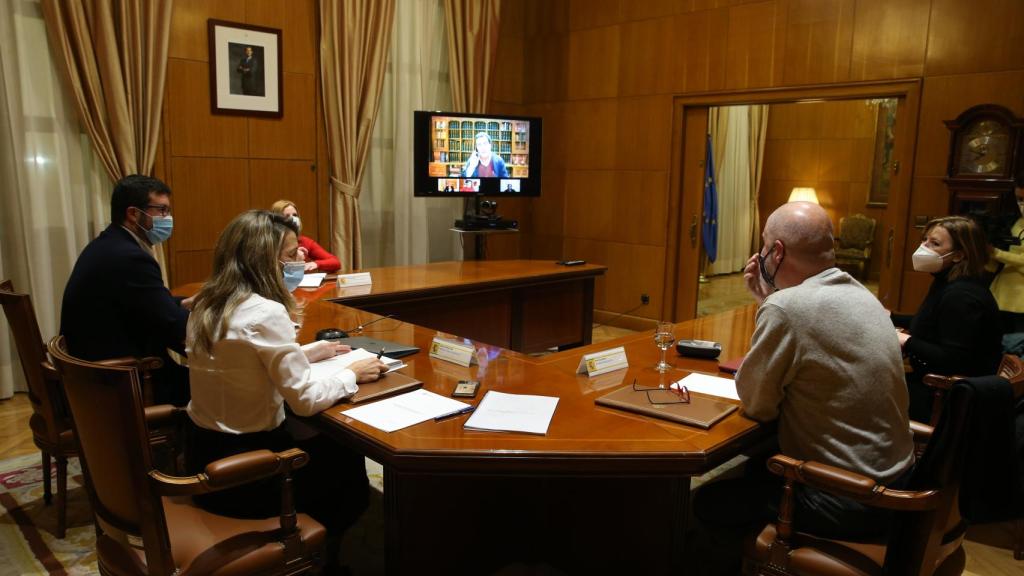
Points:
(770, 280)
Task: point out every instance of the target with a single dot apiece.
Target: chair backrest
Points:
(112, 436)
(44, 388)
(856, 231)
(919, 536)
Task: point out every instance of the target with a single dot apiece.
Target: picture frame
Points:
(246, 76)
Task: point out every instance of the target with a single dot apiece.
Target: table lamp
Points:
(803, 195)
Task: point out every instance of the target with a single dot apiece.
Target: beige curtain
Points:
(472, 46)
(737, 142)
(758, 116)
(54, 191)
(114, 57)
(399, 229)
(354, 40)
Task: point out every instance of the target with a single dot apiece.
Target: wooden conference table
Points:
(603, 491)
(523, 305)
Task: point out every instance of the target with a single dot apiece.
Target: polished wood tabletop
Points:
(582, 436)
(456, 275)
(526, 305)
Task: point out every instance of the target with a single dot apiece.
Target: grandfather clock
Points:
(984, 159)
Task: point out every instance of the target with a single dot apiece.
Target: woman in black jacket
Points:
(956, 330)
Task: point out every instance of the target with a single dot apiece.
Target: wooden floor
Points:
(989, 547)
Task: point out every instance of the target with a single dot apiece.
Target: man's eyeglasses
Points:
(661, 396)
(164, 209)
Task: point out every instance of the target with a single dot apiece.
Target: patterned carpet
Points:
(27, 526)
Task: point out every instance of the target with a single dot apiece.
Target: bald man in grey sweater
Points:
(825, 363)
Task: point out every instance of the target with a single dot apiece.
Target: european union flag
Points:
(709, 232)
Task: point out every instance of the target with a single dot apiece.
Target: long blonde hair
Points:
(245, 262)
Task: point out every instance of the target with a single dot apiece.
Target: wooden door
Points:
(687, 265)
(897, 229)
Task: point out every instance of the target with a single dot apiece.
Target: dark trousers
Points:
(332, 487)
(729, 510)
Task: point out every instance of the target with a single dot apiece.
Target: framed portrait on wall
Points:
(245, 69)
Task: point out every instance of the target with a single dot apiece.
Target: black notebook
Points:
(392, 349)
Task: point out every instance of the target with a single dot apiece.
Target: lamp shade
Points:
(803, 195)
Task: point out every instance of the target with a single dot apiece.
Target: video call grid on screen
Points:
(455, 149)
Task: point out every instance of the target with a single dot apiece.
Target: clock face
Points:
(983, 148)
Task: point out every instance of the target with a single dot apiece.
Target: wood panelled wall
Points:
(218, 165)
(828, 146)
(603, 74)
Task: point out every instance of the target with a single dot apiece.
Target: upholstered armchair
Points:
(853, 245)
(146, 522)
(926, 535)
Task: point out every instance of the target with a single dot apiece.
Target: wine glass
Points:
(664, 337)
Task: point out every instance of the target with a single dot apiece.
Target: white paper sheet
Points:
(325, 368)
(312, 280)
(404, 410)
(502, 412)
(713, 385)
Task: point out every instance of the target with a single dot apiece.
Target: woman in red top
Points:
(317, 259)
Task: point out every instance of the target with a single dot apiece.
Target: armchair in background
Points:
(853, 245)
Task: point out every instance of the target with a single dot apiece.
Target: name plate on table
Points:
(356, 279)
(602, 362)
(452, 351)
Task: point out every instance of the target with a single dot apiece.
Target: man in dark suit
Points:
(248, 67)
(115, 302)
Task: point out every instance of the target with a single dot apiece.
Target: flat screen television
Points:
(459, 154)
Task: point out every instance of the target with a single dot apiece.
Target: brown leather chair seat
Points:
(813, 555)
(241, 547)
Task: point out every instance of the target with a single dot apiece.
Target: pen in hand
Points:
(379, 354)
(458, 412)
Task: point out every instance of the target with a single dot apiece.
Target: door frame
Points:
(682, 254)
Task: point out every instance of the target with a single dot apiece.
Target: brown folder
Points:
(391, 383)
(701, 411)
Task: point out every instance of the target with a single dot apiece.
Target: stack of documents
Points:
(326, 368)
(710, 385)
(501, 412)
(399, 412)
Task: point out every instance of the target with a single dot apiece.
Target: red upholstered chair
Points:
(51, 426)
(927, 532)
(146, 522)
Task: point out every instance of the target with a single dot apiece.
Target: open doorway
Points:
(825, 123)
(837, 153)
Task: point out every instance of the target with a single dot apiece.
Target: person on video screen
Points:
(482, 163)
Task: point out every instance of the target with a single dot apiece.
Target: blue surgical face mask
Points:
(160, 230)
(293, 273)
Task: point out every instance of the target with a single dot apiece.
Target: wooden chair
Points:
(1012, 368)
(146, 522)
(853, 245)
(926, 536)
(51, 426)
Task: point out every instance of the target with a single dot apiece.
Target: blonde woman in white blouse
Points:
(244, 365)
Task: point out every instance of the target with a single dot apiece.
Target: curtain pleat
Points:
(758, 133)
(114, 58)
(472, 47)
(354, 39)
